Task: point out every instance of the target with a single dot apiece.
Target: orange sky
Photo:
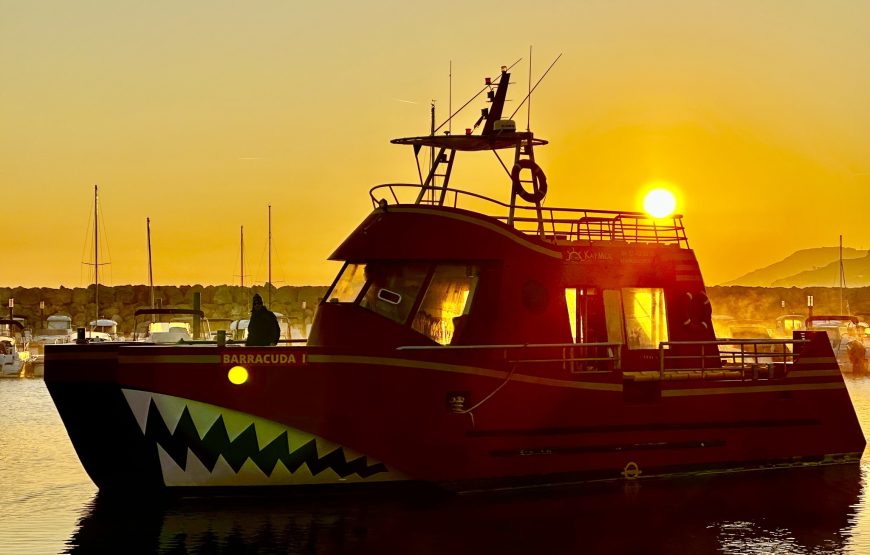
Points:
(200, 114)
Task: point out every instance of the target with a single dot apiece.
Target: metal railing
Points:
(750, 357)
(570, 225)
(743, 359)
(591, 358)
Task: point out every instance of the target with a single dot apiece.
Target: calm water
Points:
(48, 505)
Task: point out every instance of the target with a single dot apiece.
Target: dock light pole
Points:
(42, 314)
(810, 305)
(11, 306)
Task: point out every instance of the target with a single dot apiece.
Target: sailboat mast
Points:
(270, 255)
(842, 276)
(243, 256)
(96, 262)
(150, 274)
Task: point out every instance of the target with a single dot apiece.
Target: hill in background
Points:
(817, 267)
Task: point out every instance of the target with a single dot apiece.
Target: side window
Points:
(613, 316)
(349, 284)
(392, 289)
(586, 315)
(645, 317)
(447, 301)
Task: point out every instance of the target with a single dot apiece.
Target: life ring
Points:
(631, 471)
(704, 308)
(539, 181)
(687, 310)
(697, 310)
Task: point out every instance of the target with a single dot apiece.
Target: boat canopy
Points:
(7, 322)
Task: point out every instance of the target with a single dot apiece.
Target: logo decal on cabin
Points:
(587, 255)
(197, 440)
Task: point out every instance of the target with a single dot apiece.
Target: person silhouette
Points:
(263, 328)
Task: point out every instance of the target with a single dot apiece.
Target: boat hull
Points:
(158, 417)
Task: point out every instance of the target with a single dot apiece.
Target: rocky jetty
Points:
(299, 303)
(119, 303)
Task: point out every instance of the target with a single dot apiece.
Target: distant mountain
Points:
(805, 261)
(855, 270)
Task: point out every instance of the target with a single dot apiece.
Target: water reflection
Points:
(808, 510)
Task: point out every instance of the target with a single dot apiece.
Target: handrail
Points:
(734, 363)
(505, 346)
(552, 224)
(742, 359)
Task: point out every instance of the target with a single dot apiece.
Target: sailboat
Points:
(99, 329)
(843, 329)
(156, 324)
(239, 328)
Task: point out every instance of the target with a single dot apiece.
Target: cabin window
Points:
(349, 284)
(645, 317)
(392, 289)
(613, 316)
(571, 303)
(586, 316)
(446, 302)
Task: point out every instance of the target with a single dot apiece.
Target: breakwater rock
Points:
(119, 303)
(298, 303)
(768, 303)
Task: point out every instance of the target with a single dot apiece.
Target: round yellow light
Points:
(238, 375)
(659, 203)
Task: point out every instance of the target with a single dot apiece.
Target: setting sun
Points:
(659, 203)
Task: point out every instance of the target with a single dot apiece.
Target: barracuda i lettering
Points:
(277, 358)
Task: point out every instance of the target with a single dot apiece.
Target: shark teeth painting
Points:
(199, 444)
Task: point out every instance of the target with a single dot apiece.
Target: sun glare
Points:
(659, 203)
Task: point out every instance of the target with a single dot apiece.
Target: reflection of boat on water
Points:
(508, 345)
(810, 510)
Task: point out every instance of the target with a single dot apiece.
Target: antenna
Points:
(270, 255)
(449, 101)
(485, 87)
(536, 86)
(529, 107)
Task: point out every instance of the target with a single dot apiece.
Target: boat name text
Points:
(277, 358)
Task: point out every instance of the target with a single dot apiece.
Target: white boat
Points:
(170, 325)
(102, 329)
(58, 329)
(13, 355)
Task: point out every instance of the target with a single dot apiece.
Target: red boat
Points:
(472, 344)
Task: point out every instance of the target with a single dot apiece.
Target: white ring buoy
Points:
(539, 181)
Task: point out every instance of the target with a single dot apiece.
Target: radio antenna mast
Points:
(529, 107)
(450, 99)
(536, 86)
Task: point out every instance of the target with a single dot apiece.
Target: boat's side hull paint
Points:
(169, 416)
